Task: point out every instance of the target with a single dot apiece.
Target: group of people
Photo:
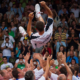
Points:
(40, 40)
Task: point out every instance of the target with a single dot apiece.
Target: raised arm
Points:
(31, 15)
(69, 72)
(49, 12)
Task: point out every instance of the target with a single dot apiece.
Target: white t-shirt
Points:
(74, 78)
(78, 78)
(18, 60)
(11, 39)
(7, 52)
(21, 39)
(53, 76)
(76, 12)
(37, 40)
(3, 66)
(42, 78)
(38, 73)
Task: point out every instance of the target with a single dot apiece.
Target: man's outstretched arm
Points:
(49, 12)
(31, 16)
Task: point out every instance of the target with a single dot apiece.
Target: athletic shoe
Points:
(22, 31)
(37, 10)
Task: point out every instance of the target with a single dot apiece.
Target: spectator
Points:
(11, 39)
(26, 48)
(13, 28)
(73, 62)
(1, 34)
(5, 74)
(63, 23)
(69, 58)
(73, 50)
(62, 49)
(60, 33)
(6, 64)
(11, 33)
(62, 10)
(20, 10)
(12, 59)
(1, 59)
(18, 49)
(9, 13)
(73, 39)
(7, 47)
(75, 10)
(3, 9)
(20, 59)
(18, 74)
(59, 43)
(14, 9)
(3, 26)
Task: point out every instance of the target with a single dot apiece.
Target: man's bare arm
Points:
(49, 12)
(63, 60)
(31, 15)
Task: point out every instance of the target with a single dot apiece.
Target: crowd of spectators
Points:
(15, 48)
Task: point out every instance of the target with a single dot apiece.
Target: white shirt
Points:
(42, 78)
(74, 78)
(7, 52)
(11, 39)
(37, 40)
(76, 12)
(3, 66)
(18, 60)
(10, 13)
(38, 73)
(21, 39)
(53, 76)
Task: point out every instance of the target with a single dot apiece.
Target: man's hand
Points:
(31, 15)
(49, 58)
(43, 3)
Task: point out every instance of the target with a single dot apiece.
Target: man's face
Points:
(4, 60)
(59, 29)
(73, 61)
(3, 23)
(59, 38)
(9, 70)
(71, 53)
(7, 40)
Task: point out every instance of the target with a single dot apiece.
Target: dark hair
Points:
(63, 70)
(4, 57)
(29, 75)
(40, 26)
(6, 38)
(63, 49)
(74, 60)
(59, 27)
(76, 68)
(72, 70)
(15, 73)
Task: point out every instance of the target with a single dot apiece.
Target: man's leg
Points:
(38, 13)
